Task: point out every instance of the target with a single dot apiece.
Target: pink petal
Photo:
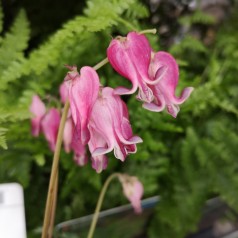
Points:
(99, 162)
(68, 134)
(130, 57)
(79, 149)
(83, 93)
(50, 125)
(164, 69)
(64, 91)
(37, 108)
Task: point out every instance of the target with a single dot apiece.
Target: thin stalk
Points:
(100, 64)
(53, 177)
(53, 207)
(99, 204)
(149, 31)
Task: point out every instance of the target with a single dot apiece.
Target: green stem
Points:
(99, 204)
(149, 31)
(53, 207)
(100, 64)
(53, 177)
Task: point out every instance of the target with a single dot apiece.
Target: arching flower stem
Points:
(99, 203)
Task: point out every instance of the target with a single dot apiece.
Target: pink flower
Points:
(50, 125)
(83, 92)
(99, 162)
(163, 68)
(130, 57)
(110, 120)
(38, 109)
(133, 190)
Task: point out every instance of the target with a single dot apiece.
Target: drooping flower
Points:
(37, 108)
(133, 190)
(83, 92)
(110, 120)
(130, 57)
(164, 69)
(99, 162)
(50, 125)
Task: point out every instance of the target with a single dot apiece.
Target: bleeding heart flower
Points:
(130, 57)
(83, 92)
(50, 125)
(164, 70)
(133, 190)
(109, 119)
(38, 109)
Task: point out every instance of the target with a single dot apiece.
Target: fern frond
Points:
(188, 43)
(99, 16)
(115, 7)
(15, 41)
(12, 50)
(197, 17)
(3, 142)
(137, 10)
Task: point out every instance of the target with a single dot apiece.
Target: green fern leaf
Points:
(3, 142)
(197, 17)
(12, 50)
(15, 41)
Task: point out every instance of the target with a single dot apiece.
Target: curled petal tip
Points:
(135, 140)
(124, 91)
(184, 96)
(153, 107)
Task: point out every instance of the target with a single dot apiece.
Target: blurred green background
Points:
(185, 160)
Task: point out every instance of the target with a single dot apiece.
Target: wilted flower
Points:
(164, 69)
(83, 92)
(38, 109)
(50, 125)
(130, 57)
(109, 119)
(133, 190)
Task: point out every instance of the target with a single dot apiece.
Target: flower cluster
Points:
(154, 73)
(98, 117)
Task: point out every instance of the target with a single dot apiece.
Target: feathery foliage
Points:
(186, 161)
